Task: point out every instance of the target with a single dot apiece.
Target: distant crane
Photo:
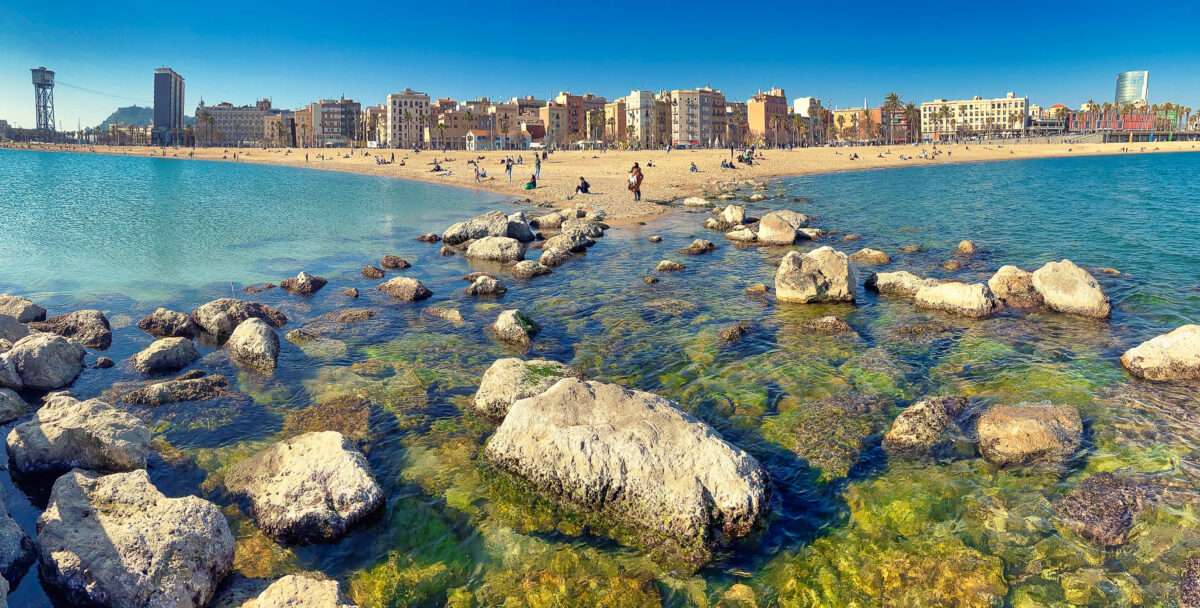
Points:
(43, 94)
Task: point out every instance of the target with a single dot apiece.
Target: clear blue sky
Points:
(296, 52)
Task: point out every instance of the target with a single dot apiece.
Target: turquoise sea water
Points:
(847, 526)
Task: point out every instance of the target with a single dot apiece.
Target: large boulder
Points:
(922, 425)
(635, 454)
(779, 227)
(733, 215)
(573, 241)
(518, 228)
(1068, 288)
(550, 221)
(254, 344)
(46, 361)
(115, 540)
(310, 487)
(492, 223)
(591, 230)
(12, 406)
(17, 551)
(902, 284)
(496, 249)
(163, 323)
(301, 591)
(167, 355)
(303, 284)
(221, 317)
(1029, 432)
(967, 299)
(404, 288)
(509, 380)
(66, 433)
(1014, 287)
(11, 329)
(88, 327)
(821, 275)
(23, 309)
(1171, 356)
(9, 378)
(513, 326)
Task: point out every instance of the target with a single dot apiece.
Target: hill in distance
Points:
(137, 116)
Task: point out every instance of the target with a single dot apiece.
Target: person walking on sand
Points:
(508, 164)
(635, 182)
(537, 166)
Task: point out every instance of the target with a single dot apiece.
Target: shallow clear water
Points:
(847, 525)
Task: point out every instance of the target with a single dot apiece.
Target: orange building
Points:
(761, 110)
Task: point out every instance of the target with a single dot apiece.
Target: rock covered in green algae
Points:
(922, 425)
(830, 434)
(635, 455)
(509, 380)
(1105, 507)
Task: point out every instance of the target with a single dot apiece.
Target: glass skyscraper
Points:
(1133, 87)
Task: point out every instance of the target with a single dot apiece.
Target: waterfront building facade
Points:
(1133, 87)
(698, 117)
(334, 121)
(168, 107)
(225, 124)
(941, 119)
(408, 114)
(767, 116)
(615, 121)
(555, 120)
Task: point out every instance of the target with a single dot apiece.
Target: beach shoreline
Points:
(668, 175)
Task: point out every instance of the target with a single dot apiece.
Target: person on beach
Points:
(477, 173)
(532, 183)
(508, 165)
(635, 182)
(537, 166)
(583, 186)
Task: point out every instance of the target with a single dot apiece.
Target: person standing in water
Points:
(635, 182)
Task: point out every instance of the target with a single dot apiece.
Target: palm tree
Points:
(504, 134)
(891, 105)
(841, 123)
(797, 123)
(1015, 118)
(612, 128)
(912, 116)
(868, 124)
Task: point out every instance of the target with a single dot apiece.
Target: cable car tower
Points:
(43, 94)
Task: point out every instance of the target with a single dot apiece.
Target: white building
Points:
(974, 116)
(801, 106)
(407, 116)
(478, 140)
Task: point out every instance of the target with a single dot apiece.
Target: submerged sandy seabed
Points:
(667, 176)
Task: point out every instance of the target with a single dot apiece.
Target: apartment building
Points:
(334, 121)
(279, 129)
(698, 117)
(761, 112)
(303, 120)
(738, 129)
(528, 105)
(615, 120)
(973, 116)
(168, 107)
(555, 119)
(225, 124)
(408, 114)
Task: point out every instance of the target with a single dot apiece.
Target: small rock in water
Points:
(1108, 271)
(104, 363)
(394, 262)
(655, 239)
(699, 246)
(1014, 287)
(474, 276)
(1028, 433)
(735, 333)
(163, 323)
(191, 386)
(167, 354)
(511, 379)
(258, 288)
(303, 284)
(405, 288)
(528, 269)
(757, 289)
(514, 326)
(301, 591)
(828, 324)
(41, 361)
(446, 251)
(350, 292)
(821, 275)
(1173, 356)
(553, 258)
(970, 300)
(23, 309)
(952, 265)
(966, 248)
(911, 249)
(429, 237)
(486, 286)
(89, 327)
(11, 408)
(650, 280)
(254, 344)
(1068, 288)
(372, 272)
(221, 316)
(669, 266)
(310, 487)
(853, 237)
(870, 257)
(445, 314)
(922, 425)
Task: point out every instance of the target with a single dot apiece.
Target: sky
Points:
(105, 53)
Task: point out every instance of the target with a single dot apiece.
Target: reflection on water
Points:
(847, 526)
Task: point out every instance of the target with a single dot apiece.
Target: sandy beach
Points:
(667, 176)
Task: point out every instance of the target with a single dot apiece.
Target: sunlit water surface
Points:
(847, 526)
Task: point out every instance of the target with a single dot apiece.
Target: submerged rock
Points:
(870, 257)
(254, 344)
(393, 262)
(163, 323)
(699, 246)
(310, 487)
(192, 386)
(514, 326)
(828, 324)
(1070, 289)
(1028, 433)
(969, 300)
(221, 317)
(511, 379)
(89, 327)
(922, 425)
(115, 540)
(486, 286)
(1014, 287)
(66, 433)
(496, 249)
(23, 309)
(44, 361)
(404, 288)
(303, 284)
(1171, 356)
(821, 275)
(735, 333)
(830, 434)
(634, 454)
(492, 223)
(166, 355)
(1104, 507)
(445, 314)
